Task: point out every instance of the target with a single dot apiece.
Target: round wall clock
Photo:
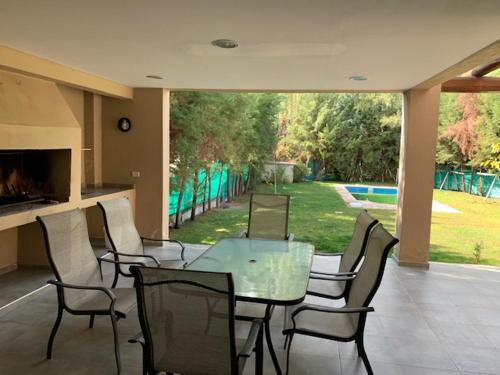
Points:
(124, 124)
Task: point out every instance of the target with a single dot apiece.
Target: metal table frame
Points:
(241, 256)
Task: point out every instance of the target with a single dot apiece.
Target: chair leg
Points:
(117, 345)
(91, 322)
(286, 341)
(362, 354)
(259, 353)
(290, 338)
(54, 331)
(115, 279)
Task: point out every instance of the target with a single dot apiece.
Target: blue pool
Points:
(371, 190)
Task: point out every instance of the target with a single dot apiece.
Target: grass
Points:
(318, 215)
(377, 198)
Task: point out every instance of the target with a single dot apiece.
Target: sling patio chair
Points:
(188, 324)
(268, 217)
(345, 323)
(335, 285)
(79, 284)
(125, 241)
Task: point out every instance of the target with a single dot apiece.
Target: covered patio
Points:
(444, 321)
(71, 75)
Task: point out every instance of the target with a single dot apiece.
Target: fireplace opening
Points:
(34, 177)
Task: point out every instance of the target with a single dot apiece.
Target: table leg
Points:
(269, 341)
(259, 353)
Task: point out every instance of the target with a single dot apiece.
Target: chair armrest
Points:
(332, 277)
(290, 237)
(334, 310)
(120, 262)
(166, 240)
(253, 335)
(334, 274)
(328, 254)
(242, 234)
(103, 289)
(163, 240)
(134, 256)
(137, 338)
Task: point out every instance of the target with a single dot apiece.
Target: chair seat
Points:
(327, 287)
(321, 323)
(125, 301)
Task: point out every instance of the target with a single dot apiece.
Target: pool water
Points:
(387, 195)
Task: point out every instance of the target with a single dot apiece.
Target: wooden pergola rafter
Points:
(475, 80)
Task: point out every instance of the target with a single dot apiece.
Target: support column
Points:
(92, 138)
(416, 175)
(141, 155)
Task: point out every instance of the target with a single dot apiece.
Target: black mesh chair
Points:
(80, 289)
(126, 243)
(188, 325)
(268, 217)
(335, 284)
(345, 323)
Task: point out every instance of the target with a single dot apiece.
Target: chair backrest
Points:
(119, 226)
(70, 254)
(365, 284)
(268, 216)
(356, 248)
(187, 319)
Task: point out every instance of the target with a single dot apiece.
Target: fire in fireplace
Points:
(31, 176)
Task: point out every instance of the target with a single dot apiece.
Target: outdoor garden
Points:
(221, 140)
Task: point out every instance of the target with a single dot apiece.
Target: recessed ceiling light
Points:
(225, 43)
(152, 76)
(357, 78)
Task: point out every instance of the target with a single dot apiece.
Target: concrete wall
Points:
(270, 166)
(144, 149)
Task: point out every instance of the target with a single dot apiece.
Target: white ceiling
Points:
(284, 44)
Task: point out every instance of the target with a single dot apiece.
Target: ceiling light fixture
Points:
(225, 43)
(152, 76)
(357, 78)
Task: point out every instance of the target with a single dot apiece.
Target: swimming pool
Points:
(371, 190)
(376, 194)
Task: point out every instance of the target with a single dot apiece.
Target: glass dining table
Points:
(270, 272)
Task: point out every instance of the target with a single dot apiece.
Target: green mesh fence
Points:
(466, 181)
(218, 176)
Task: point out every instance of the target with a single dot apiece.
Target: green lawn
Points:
(377, 198)
(320, 216)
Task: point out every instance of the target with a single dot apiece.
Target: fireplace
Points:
(34, 177)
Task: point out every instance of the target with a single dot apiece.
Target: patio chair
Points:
(126, 243)
(335, 285)
(188, 325)
(80, 289)
(345, 323)
(268, 217)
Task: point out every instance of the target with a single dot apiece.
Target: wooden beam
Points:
(482, 56)
(472, 84)
(482, 70)
(20, 62)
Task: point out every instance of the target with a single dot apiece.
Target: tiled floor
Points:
(445, 321)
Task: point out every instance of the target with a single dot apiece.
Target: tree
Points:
(355, 137)
(462, 133)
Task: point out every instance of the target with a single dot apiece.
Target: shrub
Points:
(478, 248)
(300, 171)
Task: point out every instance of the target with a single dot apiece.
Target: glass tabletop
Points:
(266, 271)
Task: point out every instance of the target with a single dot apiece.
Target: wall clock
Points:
(124, 124)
